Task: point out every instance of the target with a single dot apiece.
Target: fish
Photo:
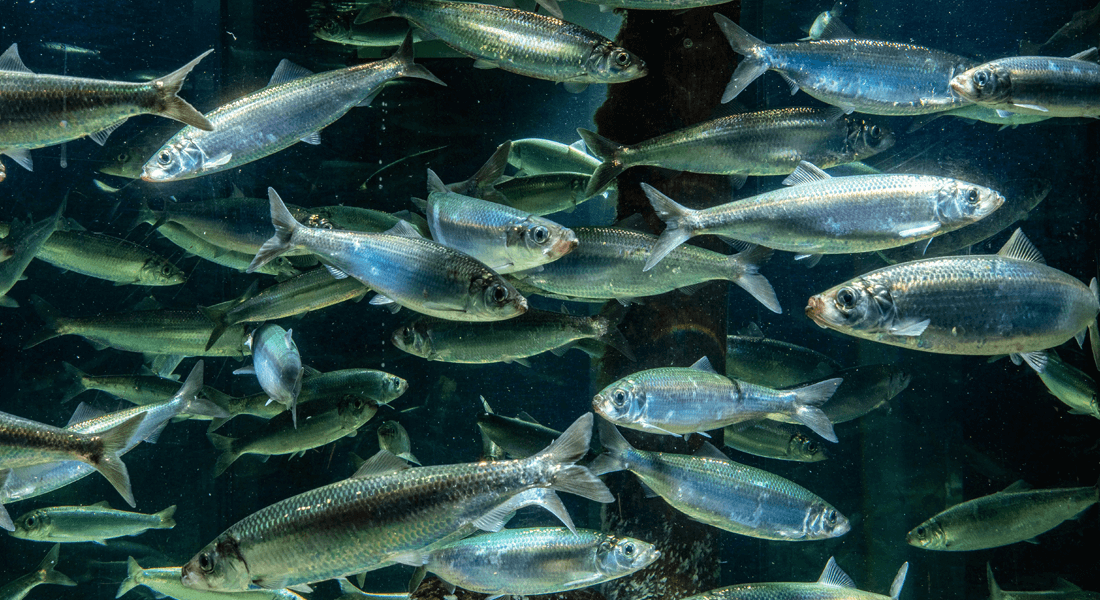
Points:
(769, 439)
(1075, 388)
(339, 29)
(1016, 514)
(162, 331)
(310, 291)
(514, 340)
(821, 214)
(198, 246)
(517, 437)
(774, 363)
(136, 389)
(397, 510)
(768, 142)
(295, 106)
(21, 245)
(536, 156)
(834, 584)
(978, 112)
(348, 591)
(607, 263)
(26, 443)
(534, 45)
(393, 438)
(94, 523)
(402, 267)
(969, 305)
(277, 365)
(505, 239)
(1064, 591)
(865, 388)
(544, 193)
(679, 401)
(166, 581)
(712, 489)
(826, 23)
(1035, 85)
(537, 560)
(45, 110)
(867, 76)
(44, 574)
(322, 422)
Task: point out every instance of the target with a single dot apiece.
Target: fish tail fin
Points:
(745, 265)
(615, 446)
(612, 164)
(1094, 332)
(167, 518)
(808, 399)
(216, 314)
(278, 244)
(77, 386)
(995, 592)
(228, 455)
(146, 214)
(608, 328)
(48, 573)
(750, 67)
(490, 173)
(110, 465)
(52, 318)
(899, 581)
(133, 571)
(676, 218)
(172, 106)
(374, 10)
(5, 518)
(404, 55)
(570, 447)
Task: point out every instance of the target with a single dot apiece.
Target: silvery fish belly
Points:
(767, 142)
(868, 76)
(276, 365)
(821, 214)
(833, 584)
(165, 581)
(1006, 303)
(294, 106)
(1035, 85)
(534, 156)
(518, 41)
(538, 560)
(712, 489)
(402, 267)
(504, 238)
(388, 513)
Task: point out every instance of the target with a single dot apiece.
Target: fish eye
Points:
(619, 399)
(972, 197)
(622, 58)
(164, 158)
(920, 531)
(31, 521)
(846, 298)
(540, 234)
(831, 517)
(357, 403)
(122, 157)
(810, 446)
(498, 293)
(628, 550)
(876, 131)
(981, 79)
(206, 563)
(166, 270)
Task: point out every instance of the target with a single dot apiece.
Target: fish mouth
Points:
(565, 246)
(815, 309)
(958, 85)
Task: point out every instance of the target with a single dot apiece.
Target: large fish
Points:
(43, 110)
(986, 305)
(295, 106)
(868, 76)
(712, 489)
(518, 41)
(1035, 85)
(94, 523)
(45, 573)
(276, 364)
(388, 513)
(1015, 514)
(820, 214)
(402, 267)
(767, 142)
(678, 401)
(834, 584)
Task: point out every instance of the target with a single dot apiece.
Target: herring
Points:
(44, 574)
(833, 584)
(773, 440)
(21, 246)
(276, 364)
(1075, 388)
(94, 523)
(393, 438)
(1035, 85)
(165, 581)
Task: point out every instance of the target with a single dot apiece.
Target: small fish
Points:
(834, 584)
(95, 523)
(44, 110)
(821, 214)
(1035, 85)
(402, 267)
(393, 438)
(385, 33)
(985, 305)
(712, 489)
(545, 193)
(539, 46)
(1075, 388)
(165, 581)
(679, 401)
(44, 574)
(1064, 591)
(825, 23)
(535, 156)
(1016, 514)
(276, 365)
(136, 389)
(774, 363)
(518, 437)
(195, 244)
(769, 439)
(867, 76)
(21, 245)
(537, 560)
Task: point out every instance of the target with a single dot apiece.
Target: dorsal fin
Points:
(707, 450)
(899, 581)
(485, 405)
(287, 71)
(1089, 55)
(84, 412)
(806, 173)
(10, 61)
(835, 29)
(703, 364)
(236, 193)
(404, 229)
(435, 184)
(383, 463)
(523, 416)
(751, 330)
(833, 575)
(1017, 486)
(1021, 248)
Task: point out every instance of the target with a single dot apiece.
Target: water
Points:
(964, 428)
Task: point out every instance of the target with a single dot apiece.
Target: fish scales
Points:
(109, 258)
(1035, 85)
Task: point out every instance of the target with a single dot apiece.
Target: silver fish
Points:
(393, 438)
(402, 267)
(821, 214)
(166, 581)
(294, 106)
(1075, 388)
(834, 584)
(534, 156)
(1064, 591)
(769, 439)
(276, 365)
(868, 76)
(545, 193)
(94, 523)
(44, 574)
(1035, 85)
